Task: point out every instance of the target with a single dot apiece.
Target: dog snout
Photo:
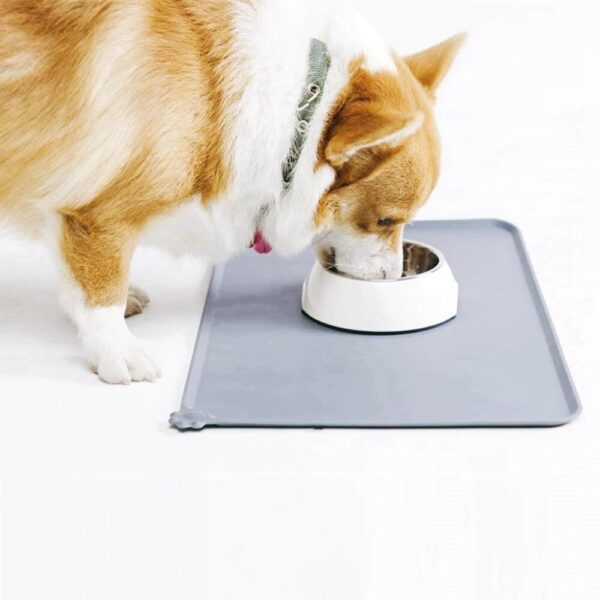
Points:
(373, 268)
(357, 262)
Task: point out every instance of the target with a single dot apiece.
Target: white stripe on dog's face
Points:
(361, 255)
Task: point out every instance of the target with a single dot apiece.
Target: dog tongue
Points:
(260, 245)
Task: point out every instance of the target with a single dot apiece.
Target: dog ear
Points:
(367, 127)
(430, 66)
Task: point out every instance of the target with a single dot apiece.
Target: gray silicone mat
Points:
(259, 361)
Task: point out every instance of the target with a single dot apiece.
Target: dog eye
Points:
(386, 222)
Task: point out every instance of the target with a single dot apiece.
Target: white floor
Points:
(100, 500)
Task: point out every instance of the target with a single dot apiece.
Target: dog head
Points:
(383, 144)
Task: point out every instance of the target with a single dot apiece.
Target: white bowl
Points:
(426, 295)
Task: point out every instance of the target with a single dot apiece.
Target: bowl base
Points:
(363, 332)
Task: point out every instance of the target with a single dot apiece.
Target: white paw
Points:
(111, 349)
(123, 361)
(137, 300)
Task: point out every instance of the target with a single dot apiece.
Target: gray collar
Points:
(318, 67)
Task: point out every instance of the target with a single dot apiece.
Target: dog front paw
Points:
(123, 362)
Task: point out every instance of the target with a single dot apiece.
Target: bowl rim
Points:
(433, 249)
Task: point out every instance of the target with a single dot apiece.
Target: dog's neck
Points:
(276, 45)
(268, 114)
(273, 40)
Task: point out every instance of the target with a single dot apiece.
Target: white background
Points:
(101, 500)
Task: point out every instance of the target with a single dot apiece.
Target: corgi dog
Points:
(206, 126)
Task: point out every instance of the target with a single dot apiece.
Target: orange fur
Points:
(143, 130)
(431, 66)
(115, 111)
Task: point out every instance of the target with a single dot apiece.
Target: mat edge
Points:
(182, 421)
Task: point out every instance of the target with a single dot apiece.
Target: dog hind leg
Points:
(137, 300)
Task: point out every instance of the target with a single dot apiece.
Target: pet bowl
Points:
(426, 295)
